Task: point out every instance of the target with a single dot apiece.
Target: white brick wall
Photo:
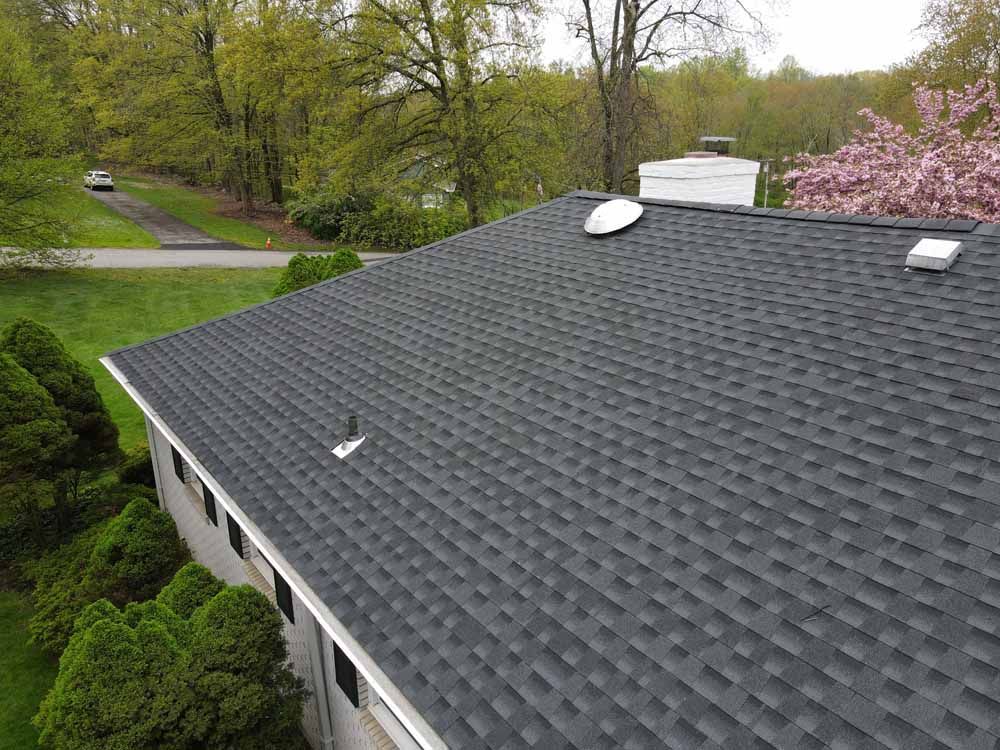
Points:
(210, 546)
(719, 179)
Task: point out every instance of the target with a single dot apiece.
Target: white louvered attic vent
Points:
(612, 215)
(933, 255)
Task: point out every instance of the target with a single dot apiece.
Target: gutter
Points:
(415, 724)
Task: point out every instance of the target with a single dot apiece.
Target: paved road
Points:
(169, 230)
(171, 258)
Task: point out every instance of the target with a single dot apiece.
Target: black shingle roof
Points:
(722, 480)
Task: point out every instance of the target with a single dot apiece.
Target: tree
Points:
(34, 442)
(37, 349)
(941, 171)
(34, 437)
(633, 34)
(32, 142)
(129, 559)
(160, 676)
(429, 66)
(963, 42)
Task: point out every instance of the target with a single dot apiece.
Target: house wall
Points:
(209, 545)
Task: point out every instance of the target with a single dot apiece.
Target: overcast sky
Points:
(825, 36)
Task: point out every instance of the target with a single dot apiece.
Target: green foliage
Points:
(192, 586)
(33, 133)
(374, 219)
(58, 594)
(396, 223)
(34, 437)
(128, 558)
(152, 677)
(323, 214)
(306, 270)
(38, 350)
(136, 555)
(137, 467)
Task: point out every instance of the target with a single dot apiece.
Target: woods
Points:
(441, 103)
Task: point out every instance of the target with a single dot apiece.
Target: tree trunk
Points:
(272, 160)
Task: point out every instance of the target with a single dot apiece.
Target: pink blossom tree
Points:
(950, 168)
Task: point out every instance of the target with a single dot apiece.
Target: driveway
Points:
(209, 256)
(169, 230)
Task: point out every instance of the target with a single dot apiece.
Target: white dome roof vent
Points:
(611, 216)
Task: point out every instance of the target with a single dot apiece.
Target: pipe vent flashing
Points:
(933, 255)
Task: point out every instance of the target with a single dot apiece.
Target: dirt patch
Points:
(269, 217)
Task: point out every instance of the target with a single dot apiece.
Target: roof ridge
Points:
(399, 256)
(966, 226)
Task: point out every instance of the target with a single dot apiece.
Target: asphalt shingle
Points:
(724, 479)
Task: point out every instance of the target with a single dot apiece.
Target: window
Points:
(236, 537)
(347, 675)
(283, 594)
(181, 468)
(210, 510)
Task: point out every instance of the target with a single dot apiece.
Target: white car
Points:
(98, 181)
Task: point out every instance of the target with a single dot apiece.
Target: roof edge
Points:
(395, 258)
(966, 226)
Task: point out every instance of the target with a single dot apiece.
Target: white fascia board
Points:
(415, 724)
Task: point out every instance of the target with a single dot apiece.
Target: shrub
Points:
(137, 468)
(126, 559)
(400, 224)
(306, 270)
(381, 220)
(323, 214)
(152, 678)
(136, 555)
(58, 596)
(192, 586)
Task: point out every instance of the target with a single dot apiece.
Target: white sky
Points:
(826, 36)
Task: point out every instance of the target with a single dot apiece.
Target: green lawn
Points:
(96, 310)
(199, 211)
(92, 224)
(25, 674)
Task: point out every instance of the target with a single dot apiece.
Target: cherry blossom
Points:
(938, 172)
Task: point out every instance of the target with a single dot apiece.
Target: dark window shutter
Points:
(347, 675)
(283, 593)
(235, 536)
(210, 510)
(178, 463)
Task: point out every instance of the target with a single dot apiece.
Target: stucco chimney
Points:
(701, 176)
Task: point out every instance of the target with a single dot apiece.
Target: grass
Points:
(198, 210)
(97, 310)
(25, 674)
(92, 224)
